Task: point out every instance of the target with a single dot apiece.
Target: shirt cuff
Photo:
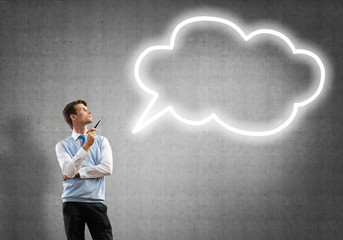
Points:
(82, 154)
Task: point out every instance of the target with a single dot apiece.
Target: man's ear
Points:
(72, 117)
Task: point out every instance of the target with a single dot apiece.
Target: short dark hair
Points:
(70, 109)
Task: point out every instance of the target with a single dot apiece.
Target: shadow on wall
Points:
(22, 182)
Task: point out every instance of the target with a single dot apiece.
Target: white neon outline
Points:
(140, 125)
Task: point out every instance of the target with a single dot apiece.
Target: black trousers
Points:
(77, 214)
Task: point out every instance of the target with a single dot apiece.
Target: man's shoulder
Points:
(64, 141)
(103, 139)
(100, 138)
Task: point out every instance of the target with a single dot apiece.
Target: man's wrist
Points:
(86, 147)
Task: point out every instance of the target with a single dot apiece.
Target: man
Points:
(85, 159)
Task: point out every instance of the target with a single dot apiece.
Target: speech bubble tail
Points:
(152, 112)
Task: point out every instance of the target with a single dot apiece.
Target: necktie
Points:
(83, 139)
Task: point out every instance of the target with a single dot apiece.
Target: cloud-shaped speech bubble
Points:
(144, 120)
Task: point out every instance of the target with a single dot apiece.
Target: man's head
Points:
(76, 112)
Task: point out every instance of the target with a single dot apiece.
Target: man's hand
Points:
(91, 136)
(64, 177)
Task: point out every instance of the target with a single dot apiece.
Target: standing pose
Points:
(85, 159)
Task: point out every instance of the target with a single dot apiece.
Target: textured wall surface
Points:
(170, 181)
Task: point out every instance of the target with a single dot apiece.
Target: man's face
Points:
(83, 115)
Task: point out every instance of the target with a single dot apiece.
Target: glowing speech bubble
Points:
(143, 122)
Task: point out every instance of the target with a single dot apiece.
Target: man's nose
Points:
(90, 111)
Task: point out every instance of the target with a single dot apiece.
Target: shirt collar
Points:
(75, 135)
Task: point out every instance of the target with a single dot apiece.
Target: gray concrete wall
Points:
(170, 181)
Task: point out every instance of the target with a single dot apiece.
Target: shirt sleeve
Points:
(104, 168)
(70, 165)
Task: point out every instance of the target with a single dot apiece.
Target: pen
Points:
(97, 124)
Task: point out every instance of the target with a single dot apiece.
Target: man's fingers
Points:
(91, 130)
(92, 134)
(64, 177)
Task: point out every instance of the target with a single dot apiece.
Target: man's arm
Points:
(70, 166)
(104, 168)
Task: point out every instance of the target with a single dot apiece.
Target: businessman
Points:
(85, 159)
